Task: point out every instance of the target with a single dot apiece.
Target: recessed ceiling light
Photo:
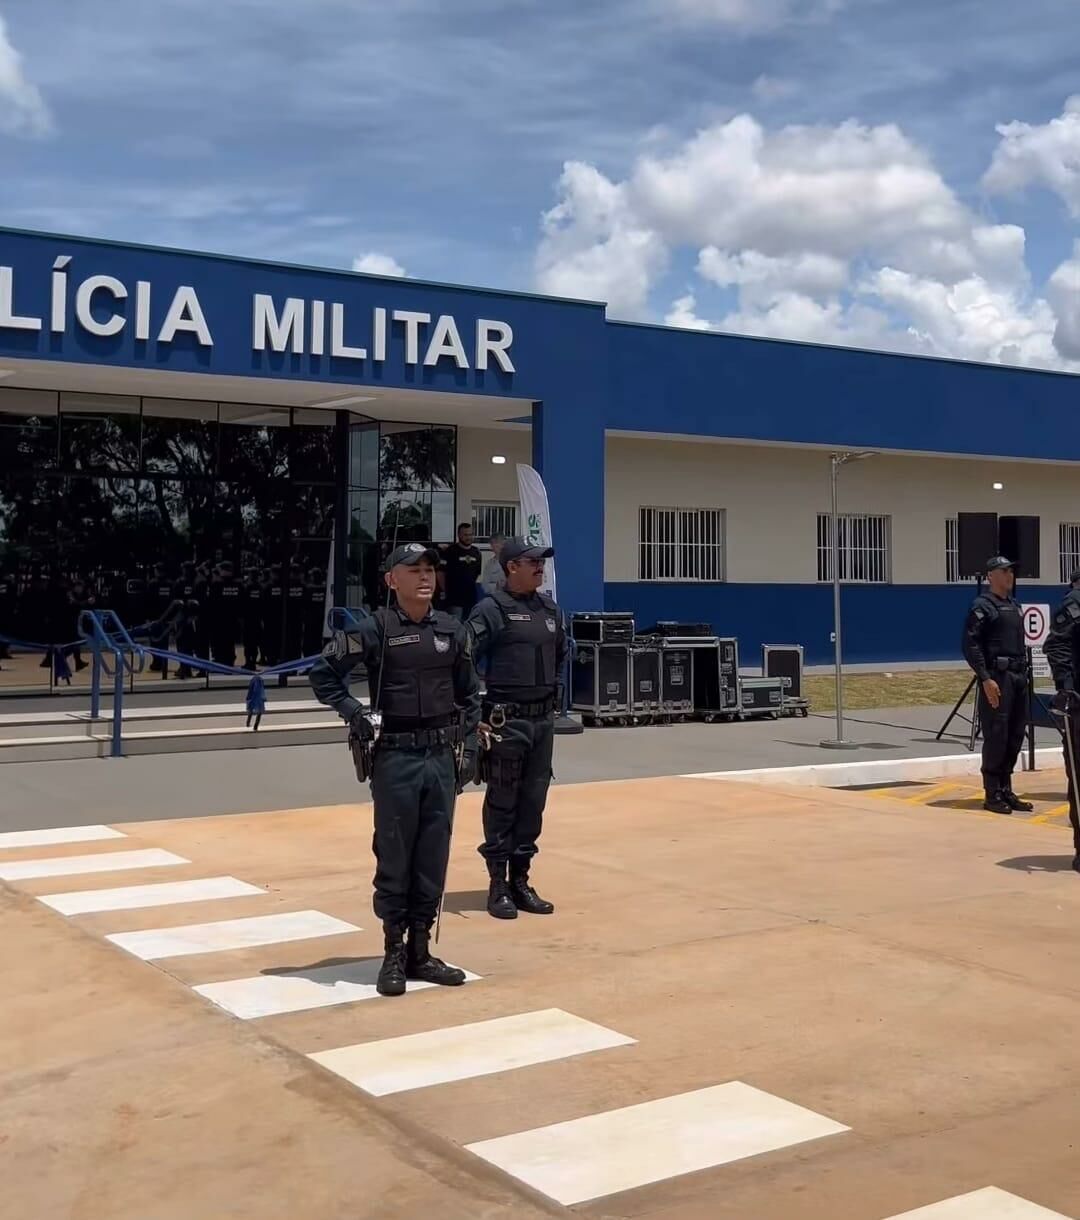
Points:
(343, 402)
(497, 459)
(999, 486)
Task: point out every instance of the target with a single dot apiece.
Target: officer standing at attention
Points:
(993, 646)
(1062, 650)
(519, 632)
(422, 681)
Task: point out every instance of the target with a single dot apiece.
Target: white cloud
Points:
(683, 313)
(845, 234)
(374, 263)
(1045, 155)
(23, 111)
(593, 247)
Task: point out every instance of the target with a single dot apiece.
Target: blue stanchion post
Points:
(95, 687)
(117, 710)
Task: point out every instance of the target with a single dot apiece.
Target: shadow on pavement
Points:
(332, 970)
(465, 901)
(1038, 864)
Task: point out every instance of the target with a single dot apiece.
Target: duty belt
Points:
(422, 739)
(497, 713)
(1016, 664)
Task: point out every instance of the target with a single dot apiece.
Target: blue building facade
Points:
(133, 317)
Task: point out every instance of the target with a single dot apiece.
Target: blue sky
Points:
(436, 135)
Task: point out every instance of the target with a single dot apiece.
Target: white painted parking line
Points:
(269, 995)
(133, 897)
(988, 1204)
(462, 1052)
(156, 943)
(58, 834)
(602, 1154)
(103, 862)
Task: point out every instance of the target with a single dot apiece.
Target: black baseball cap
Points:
(522, 548)
(412, 553)
(997, 563)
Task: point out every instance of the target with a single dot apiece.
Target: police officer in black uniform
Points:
(520, 633)
(1062, 650)
(993, 646)
(422, 682)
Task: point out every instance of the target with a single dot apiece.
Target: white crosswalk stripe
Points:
(163, 894)
(602, 1154)
(268, 995)
(102, 862)
(462, 1052)
(153, 944)
(57, 834)
(987, 1204)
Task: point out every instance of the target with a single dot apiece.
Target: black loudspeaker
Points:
(976, 541)
(1018, 538)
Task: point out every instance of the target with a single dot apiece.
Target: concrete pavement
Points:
(751, 1002)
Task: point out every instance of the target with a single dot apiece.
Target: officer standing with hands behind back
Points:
(519, 632)
(1062, 650)
(993, 646)
(422, 682)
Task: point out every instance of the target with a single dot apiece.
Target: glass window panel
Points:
(443, 459)
(179, 437)
(443, 526)
(254, 442)
(99, 433)
(29, 431)
(406, 515)
(364, 455)
(98, 529)
(313, 510)
(313, 455)
(363, 516)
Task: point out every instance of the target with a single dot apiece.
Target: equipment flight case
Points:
(716, 681)
(600, 683)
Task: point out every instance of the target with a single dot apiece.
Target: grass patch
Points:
(909, 689)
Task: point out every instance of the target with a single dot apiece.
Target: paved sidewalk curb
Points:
(874, 771)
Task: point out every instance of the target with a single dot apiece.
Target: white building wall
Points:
(478, 479)
(772, 495)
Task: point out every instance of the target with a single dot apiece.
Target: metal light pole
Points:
(839, 742)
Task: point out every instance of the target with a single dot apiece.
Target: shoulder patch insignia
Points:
(979, 613)
(1072, 610)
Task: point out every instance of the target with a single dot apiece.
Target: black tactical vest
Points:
(417, 681)
(523, 653)
(1003, 633)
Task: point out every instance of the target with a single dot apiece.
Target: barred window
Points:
(952, 551)
(681, 544)
(1068, 549)
(494, 517)
(864, 544)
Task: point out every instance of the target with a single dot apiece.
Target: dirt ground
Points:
(750, 1004)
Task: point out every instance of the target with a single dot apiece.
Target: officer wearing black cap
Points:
(519, 632)
(1062, 649)
(423, 684)
(993, 646)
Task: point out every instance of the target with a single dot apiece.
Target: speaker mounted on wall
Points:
(1018, 538)
(976, 542)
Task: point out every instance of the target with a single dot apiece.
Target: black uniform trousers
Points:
(1003, 729)
(519, 777)
(414, 793)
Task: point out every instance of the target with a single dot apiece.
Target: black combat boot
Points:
(524, 897)
(391, 980)
(996, 803)
(420, 965)
(1014, 802)
(499, 902)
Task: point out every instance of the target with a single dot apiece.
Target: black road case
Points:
(600, 683)
(645, 681)
(716, 680)
(761, 697)
(602, 627)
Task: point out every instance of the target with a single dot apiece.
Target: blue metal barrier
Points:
(114, 654)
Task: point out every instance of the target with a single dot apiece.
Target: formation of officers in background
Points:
(252, 616)
(437, 732)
